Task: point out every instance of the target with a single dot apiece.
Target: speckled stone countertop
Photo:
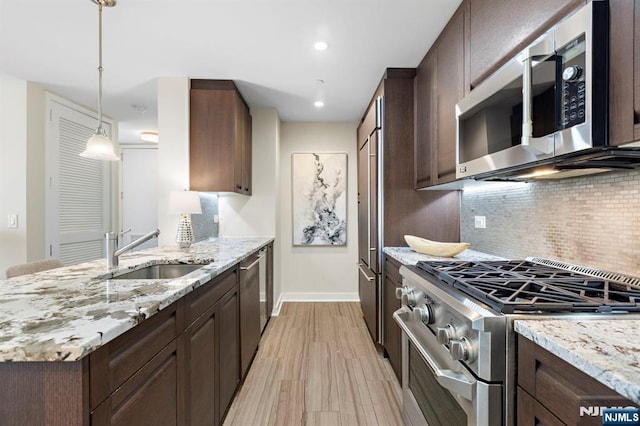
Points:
(66, 313)
(407, 256)
(607, 350)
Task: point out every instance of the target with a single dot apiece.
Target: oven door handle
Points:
(455, 382)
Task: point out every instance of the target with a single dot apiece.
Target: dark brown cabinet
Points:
(551, 391)
(150, 396)
(249, 293)
(392, 332)
(386, 190)
(220, 138)
(624, 71)
(212, 350)
(498, 29)
(439, 85)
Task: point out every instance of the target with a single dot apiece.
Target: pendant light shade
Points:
(99, 146)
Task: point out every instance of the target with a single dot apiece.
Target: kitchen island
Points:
(80, 347)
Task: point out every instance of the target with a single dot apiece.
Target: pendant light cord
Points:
(100, 130)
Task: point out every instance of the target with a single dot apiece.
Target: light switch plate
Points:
(480, 222)
(13, 221)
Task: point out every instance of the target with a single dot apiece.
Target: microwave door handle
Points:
(537, 146)
(454, 382)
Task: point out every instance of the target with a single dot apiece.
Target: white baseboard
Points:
(313, 297)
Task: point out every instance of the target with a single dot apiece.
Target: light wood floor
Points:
(317, 365)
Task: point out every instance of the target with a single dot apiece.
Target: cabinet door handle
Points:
(368, 278)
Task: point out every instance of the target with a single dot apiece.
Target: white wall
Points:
(255, 215)
(173, 149)
(318, 273)
(21, 171)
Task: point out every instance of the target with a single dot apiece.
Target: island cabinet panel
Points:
(228, 347)
(211, 351)
(498, 29)
(552, 391)
(219, 138)
(117, 361)
(624, 71)
(201, 358)
(44, 393)
(392, 332)
(150, 397)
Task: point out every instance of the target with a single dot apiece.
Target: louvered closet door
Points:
(78, 189)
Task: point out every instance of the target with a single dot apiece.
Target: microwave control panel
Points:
(573, 105)
(573, 102)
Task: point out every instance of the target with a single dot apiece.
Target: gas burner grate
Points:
(526, 286)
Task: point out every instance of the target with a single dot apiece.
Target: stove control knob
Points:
(423, 314)
(409, 296)
(446, 334)
(461, 350)
(401, 291)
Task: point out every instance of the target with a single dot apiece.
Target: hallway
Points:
(317, 365)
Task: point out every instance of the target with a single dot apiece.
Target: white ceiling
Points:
(266, 46)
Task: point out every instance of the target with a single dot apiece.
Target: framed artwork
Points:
(319, 184)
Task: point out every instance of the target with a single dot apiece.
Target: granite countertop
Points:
(66, 313)
(607, 350)
(407, 256)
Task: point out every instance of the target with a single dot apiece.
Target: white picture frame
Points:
(319, 198)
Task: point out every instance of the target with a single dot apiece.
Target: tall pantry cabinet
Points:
(388, 205)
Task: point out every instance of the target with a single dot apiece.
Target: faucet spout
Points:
(113, 253)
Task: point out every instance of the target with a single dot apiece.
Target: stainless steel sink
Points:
(159, 272)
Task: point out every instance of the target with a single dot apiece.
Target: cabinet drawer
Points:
(392, 270)
(532, 413)
(206, 296)
(149, 397)
(114, 363)
(560, 387)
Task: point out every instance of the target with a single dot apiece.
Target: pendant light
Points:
(99, 146)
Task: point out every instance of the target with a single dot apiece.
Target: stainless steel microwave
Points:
(548, 101)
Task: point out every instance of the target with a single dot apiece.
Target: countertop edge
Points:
(595, 352)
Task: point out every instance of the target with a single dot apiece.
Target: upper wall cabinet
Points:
(220, 138)
(439, 85)
(498, 29)
(624, 71)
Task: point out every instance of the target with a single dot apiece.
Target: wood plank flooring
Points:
(317, 365)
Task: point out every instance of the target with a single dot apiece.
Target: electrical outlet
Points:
(480, 222)
(13, 221)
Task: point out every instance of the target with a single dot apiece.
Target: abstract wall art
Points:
(319, 199)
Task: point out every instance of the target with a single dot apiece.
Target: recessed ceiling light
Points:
(149, 137)
(321, 45)
(318, 104)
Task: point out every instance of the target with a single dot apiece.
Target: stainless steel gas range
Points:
(458, 340)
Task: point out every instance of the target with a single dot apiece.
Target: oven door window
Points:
(438, 406)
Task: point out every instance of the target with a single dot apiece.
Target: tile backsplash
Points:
(593, 220)
(203, 224)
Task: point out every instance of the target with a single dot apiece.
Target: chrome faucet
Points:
(111, 246)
